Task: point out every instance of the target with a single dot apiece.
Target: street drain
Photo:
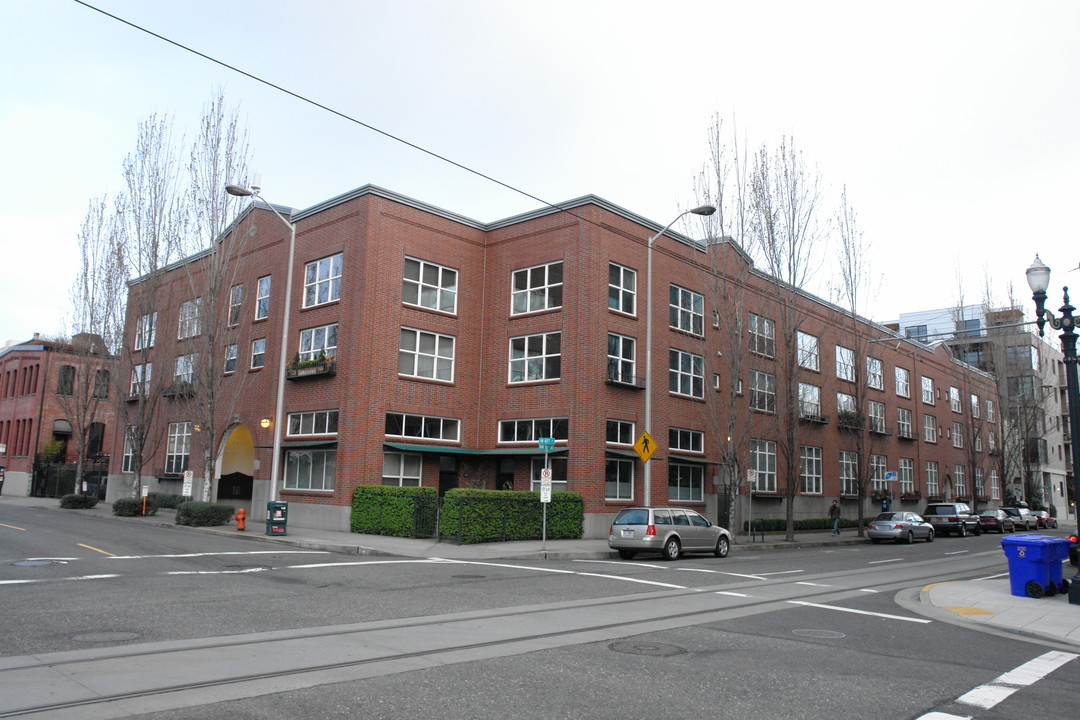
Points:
(821, 634)
(32, 563)
(647, 648)
(103, 637)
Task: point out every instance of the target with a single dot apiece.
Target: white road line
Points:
(943, 716)
(993, 577)
(624, 563)
(803, 582)
(957, 552)
(215, 572)
(988, 695)
(352, 563)
(881, 562)
(215, 554)
(859, 612)
(732, 594)
(867, 590)
(633, 580)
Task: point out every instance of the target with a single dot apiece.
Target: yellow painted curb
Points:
(969, 611)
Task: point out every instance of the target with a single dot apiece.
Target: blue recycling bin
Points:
(1034, 564)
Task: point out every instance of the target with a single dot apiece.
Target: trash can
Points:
(277, 517)
(1034, 564)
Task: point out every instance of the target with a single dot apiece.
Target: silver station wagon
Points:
(670, 531)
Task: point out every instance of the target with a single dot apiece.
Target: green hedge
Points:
(476, 516)
(165, 500)
(204, 514)
(78, 502)
(780, 524)
(395, 511)
(131, 507)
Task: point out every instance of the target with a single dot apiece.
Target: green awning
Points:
(621, 453)
(692, 458)
(447, 450)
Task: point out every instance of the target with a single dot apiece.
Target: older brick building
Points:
(427, 348)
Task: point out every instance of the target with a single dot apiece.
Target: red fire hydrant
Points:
(241, 514)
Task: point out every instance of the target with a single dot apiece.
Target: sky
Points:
(952, 125)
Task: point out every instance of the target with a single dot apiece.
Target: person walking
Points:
(834, 514)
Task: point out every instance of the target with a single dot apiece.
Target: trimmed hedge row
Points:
(132, 507)
(476, 516)
(780, 524)
(204, 514)
(78, 502)
(165, 500)
(395, 511)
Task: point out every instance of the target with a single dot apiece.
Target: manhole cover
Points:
(647, 648)
(469, 577)
(32, 563)
(822, 634)
(102, 637)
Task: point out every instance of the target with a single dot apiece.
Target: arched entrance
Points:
(236, 465)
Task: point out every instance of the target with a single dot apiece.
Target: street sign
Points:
(751, 477)
(547, 444)
(189, 477)
(645, 446)
(890, 477)
(545, 492)
(545, 476)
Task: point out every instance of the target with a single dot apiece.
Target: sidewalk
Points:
(980, 602)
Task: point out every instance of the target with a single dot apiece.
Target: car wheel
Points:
(930, 536)
(627, 554)
(961, 531)
(672, 549)
(723, 547)
(977, 531)
(910, 539)
(1064, 586)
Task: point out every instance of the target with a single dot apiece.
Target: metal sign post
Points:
(547, 445)
(751, 481)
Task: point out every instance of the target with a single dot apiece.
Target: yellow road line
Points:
(96, 550)
(12, 527)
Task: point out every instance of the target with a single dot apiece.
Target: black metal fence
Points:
(52, 478)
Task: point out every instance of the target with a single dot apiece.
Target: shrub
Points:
(203, 514)
(133, 507)
(780, 524)
(164, 500)
(395, 511)
(475, 516)
(78, 502)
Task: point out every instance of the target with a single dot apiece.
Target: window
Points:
(101, 384)
(620, 432)
(258, 353)
(318, 422)
(906, 475)
(686, 310)
(808, 351)
(558, 473)
(927, 390)
(231, 357)
(619, 479)
(877, 473)
(310, 469)
(190, 319)
(402, 469)
(65, 382)
(620, 359)
(954, 399)
(810, 469)
(1022, 357)
(687, 440)
(845, 403)
(426, 355)
(140, 379)
(322, 281)
(532, 429)
(622, 288)
(318, 342)
(960, 481)
(145, 331)
(995, 486)
(978, 442)
(876, 413)
(903, 423)
(809, 400)
(537, 288)
(916, 332)
(422, 426)
(178, 449)
(128, 464)
(686, 483)
(686, 373)
(185, 369)
(762, 336)
(932, 478)
(845, 363)
(849, 468)
(990, 411)
(536, 357)
(991, 441)
(930, 428)
(974, 400)
(875, 377)
(430, 286)
(763, 462)
(980, 489)
(1022, 388)
(262, 298)
(903, 386)
(236, 296)
(762, 391)
(957, 435)
(968, 328)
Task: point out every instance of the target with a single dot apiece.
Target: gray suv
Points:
(948, 518)
(670, 531)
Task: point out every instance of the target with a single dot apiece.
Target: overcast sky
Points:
(953, 125)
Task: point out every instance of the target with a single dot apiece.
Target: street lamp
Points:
(703, 210)
(1038, 277)
(275, 466)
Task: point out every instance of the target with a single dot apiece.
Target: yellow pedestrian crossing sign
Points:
(645, 446)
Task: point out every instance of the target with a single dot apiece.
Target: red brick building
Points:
(427, 348)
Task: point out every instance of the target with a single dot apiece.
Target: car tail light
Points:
(611, 529)
(898, 527)
(954, 519)
(651, 530)
(1072, 538)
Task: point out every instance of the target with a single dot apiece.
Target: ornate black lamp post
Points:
(1038, 276)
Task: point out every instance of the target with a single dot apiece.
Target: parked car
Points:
(899, 527)
(996, 521)
(1044, 519)
(670, 531)
(1022, 517)
(952, 518)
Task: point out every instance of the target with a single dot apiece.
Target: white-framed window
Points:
(845, 363)
(236, 298)
(262, 298)
(980, 489)
(686, 373)
(178, 447)
(532, 429)
(876, 414)
(808, 351)
(315, 422)
(618, 479)
(849, 469)
(145, 331)
(762, 335)
(978, 442)
(430, 285)
(809, 400)
(932, 488)
(686, 482)
(620, 432)
(622, 289)
(903, 423)
(620, 359)
(558, 473)
(927, 390)
(537, 288)
(536, 357)
(190, 319)
(258, 353)
(875, 373)
(974, 400)
(903, 381)
(140, 379)
(929, 428)
(845, 403)
(995, 486)
(877, 472)
(954, 399)
(426, 355)
(990, 411)
(957, 435)
(128, 465)
(991, 440)
(762, 391)
(322, 281)
(810, 469)
(318, 341)
(686, 440)
(402, 469)
(430, 427)
(310, 469)
(906, 475)
(960, 480)
(686, 310)
(763, 462)
(185, 368)
(232, 356)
